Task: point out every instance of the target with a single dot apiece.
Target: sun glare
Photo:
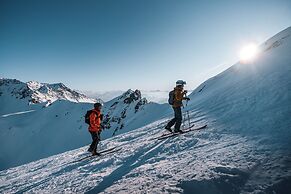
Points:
(248, 52)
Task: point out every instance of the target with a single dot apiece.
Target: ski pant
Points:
(177, 120)
(95, 140)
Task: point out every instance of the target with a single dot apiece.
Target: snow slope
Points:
(253, 98)
(244, 149)
(30, 131)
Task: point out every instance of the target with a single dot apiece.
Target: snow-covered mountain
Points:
(244, 149)
(130, 110)
(23, 94)
(40, 120)
(43, 92)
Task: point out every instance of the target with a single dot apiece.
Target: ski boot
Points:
(178, 131)
(95, 153)
(169, 129)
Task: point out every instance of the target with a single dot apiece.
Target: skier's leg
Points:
(97, 141)
(93, 145)
(178, 116)
(172, 122)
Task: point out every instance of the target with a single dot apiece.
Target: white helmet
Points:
(180, 82)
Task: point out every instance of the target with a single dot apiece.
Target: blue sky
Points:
(120, 44)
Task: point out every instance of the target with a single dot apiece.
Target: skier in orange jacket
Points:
(94, 128)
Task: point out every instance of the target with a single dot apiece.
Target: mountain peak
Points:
(130, 96)
(37, 92)
(8, 81)
(58, 85)
(34, 85)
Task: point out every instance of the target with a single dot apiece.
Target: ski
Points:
(184, 131)
(102, 152)
(195, 129)
(171, 133)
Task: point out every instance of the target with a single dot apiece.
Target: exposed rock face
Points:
(15, 88)
(122, 108)
(140, 103)
(132, 96)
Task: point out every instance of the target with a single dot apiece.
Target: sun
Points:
(248, 52)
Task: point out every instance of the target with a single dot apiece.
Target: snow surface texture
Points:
(30, 131)
(244, 149)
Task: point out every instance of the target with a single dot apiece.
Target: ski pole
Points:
(185, 116)
(187, 111)
(183, 113)
(188, 118)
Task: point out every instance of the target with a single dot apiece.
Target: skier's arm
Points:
(185, 97)
(179, 96)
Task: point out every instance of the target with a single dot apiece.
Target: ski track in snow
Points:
(17, 113)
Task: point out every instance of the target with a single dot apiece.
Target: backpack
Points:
(87, 116)
(171, 97)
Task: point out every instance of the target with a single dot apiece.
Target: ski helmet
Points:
(96, 105)
(180, 82)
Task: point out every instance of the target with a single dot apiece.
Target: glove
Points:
(186, 98)
(185, 91)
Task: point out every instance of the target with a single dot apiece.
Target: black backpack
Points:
(87, 116)
(171, 97)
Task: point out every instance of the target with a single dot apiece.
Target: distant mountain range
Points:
(158, 96)
(45, 119)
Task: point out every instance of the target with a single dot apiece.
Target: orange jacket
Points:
(179, 96)
(95, 121)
